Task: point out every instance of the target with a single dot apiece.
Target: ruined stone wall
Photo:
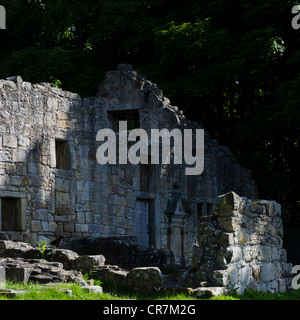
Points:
(125, 89)
(89, 199)
(56, 200)
(240, 246)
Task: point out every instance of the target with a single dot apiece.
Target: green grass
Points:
(113, 292)
(54, 292)
(252, 295)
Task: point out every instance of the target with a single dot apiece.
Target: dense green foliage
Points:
(230, 65)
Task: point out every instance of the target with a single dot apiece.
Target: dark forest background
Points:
(231, 65)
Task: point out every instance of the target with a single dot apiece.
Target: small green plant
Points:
(42, 247)
(233, 292)
(55, 82)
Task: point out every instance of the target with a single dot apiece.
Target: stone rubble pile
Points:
(38, 270)
(21, 262)
(24, 263)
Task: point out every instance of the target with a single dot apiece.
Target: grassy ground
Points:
(62, 292)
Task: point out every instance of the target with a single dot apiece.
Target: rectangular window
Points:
(131, 116)
(12, 214)
(204, 209)
(62, 152)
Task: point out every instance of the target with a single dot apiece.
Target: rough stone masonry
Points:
(240, 246)
(51, 183)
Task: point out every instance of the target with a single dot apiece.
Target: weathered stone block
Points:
(62, 204)
(220, 278)
(111, 274)
(69, 226)
(62, 185)
(35, 225)
(145, 277)
(52, 103)
(265, 253)
(5, 156)
(18, 274)
(16, 79)
(10, 168)
(237, 254)
(208, 292)
(40, 214)
(89, 261)
(250, 253)
(282, 287)
(268, 272)
(16, 181)
(66, 257)
(19, 156)
(225, 239)
(255, 207)
(9, 141)
(2, 277)
(233, 275)
(244, 275)
(226, 204)
(80, 217)
(243, 237)
(227, 224)
(13, 248)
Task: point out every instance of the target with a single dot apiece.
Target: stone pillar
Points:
(240, 246)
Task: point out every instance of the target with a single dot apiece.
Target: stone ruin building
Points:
(51, 183)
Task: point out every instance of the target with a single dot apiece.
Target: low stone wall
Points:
(123, 251)
(240, 246)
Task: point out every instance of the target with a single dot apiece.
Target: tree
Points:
(230, 65)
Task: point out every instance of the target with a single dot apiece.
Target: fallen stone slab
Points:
(145, 277)
(42, 278)
(2, 275)
(64, 256)
(75, 276)
(207, 292)
(111, 274)
(13, 248)
(88, 262)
